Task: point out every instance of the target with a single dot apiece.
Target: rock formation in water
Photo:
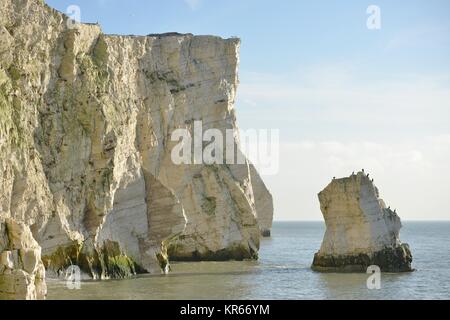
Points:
(360, 230)
(22, 273)
(86, 121)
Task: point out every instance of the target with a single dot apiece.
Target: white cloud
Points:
(102, 3)
(342, 96)
(413, 176)
(336, 102)
(193, 4)
(422, 36)
(333, 120)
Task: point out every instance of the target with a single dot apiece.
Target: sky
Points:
(343, 96)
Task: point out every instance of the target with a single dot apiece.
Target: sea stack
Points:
(360, 230)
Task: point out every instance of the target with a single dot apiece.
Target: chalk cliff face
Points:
(22, 273)
(360, 230)
(263, 202)
(85, 145)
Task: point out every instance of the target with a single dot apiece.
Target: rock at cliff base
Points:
(360, 230)
(22, 273)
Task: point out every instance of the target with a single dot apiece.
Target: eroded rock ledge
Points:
(360, 230)
(85, 149)
(22, 273)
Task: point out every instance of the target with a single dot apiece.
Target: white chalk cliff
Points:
(85, 146)
(360, 229)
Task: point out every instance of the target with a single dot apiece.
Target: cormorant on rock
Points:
(395, 210)
(389, 208)
(334, 178)
(368, 175)
(353, 173)
(363, 170)
(372, 180)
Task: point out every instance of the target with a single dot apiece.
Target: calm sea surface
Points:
(283, 272)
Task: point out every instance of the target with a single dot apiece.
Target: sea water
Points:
(283, 272)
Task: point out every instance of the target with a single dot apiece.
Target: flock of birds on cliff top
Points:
(353, 173)
(367, 175)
